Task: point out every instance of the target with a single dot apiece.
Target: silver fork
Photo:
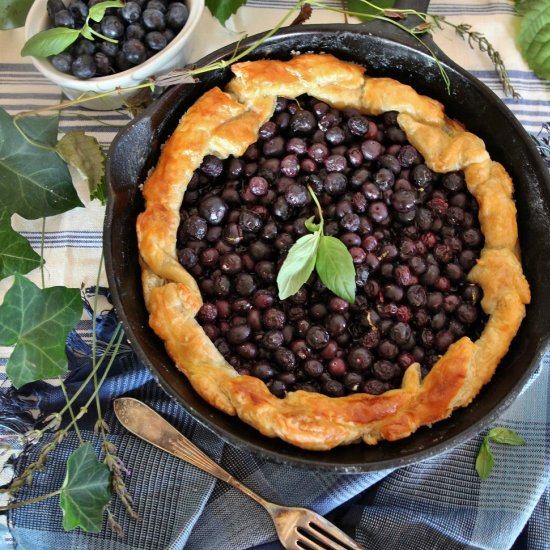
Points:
(297, 528)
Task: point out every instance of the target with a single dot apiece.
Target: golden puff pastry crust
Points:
(224, 123)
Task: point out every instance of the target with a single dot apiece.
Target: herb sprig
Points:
(485, 460)
(55, 40)
(324, 253)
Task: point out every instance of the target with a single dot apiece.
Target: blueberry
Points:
(135, 30)
(155, 40)
(64, 18)
(83, 66)
(103, 64)
(153, 20)
(79, 11)
(110, 49)
(54, 6)
(83, 46)
(131, 12)
(177, 15)
(62, 62)
(112, 27)
(156, 5)
(134, 51)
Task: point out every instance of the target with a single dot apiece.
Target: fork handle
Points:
(146, 423)
(184, 449)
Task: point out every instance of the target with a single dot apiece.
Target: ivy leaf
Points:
(50, 42)
(97, 11)
(85, 491)
(84, 153)
(34, 182)
(335, 267)
(13, 13)
(298, 265)
(16, 254)
(484, 460)
(504, 436)
(534, 36)
(41, 129)
(37, 322)
(222, 10)
(360, 7)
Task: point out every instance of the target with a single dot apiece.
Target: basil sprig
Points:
(58, 39)
(328, 255)
(485, 460)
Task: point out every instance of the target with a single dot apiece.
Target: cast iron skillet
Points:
(385, 52)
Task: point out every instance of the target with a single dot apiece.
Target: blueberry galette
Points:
(426, 216)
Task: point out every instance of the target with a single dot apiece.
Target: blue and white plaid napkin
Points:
(436, 504)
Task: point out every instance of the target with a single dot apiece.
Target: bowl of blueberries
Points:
(141, 38)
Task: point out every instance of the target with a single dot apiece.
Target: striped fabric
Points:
(436, 504)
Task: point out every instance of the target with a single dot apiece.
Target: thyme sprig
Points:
(476, 38)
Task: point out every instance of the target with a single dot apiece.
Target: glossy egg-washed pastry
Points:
(223, 124)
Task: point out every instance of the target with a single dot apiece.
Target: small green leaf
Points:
(34, 182)
(298, 265)
(13, 13)
(222, 10)
(485, 460)
(16, 254)
(366, 10)
(534, 37)
(85, 491)
(37, 322)
(84, 153)
(335, 267)
(504, 436)
(97, 12)
(50, 42)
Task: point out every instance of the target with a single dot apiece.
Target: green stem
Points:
(116, 333)
(102, 36)
(84, 408)
(42, 239)
(66, 395)
(94, 344)
(316, 201)
(78, 101)
(30, 501)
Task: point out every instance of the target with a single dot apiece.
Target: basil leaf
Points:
(504, 436)
(363, 11)
(298, 265)
(534, 37)
(85, 491)
(222, 10)
(97, 12)
(37, 321)
(335, 267)
(13, 13)
(484, 460)
(50, 42)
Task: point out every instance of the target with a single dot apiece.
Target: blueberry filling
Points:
(413, 235)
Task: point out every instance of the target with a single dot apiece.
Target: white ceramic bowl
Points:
(174, 55)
